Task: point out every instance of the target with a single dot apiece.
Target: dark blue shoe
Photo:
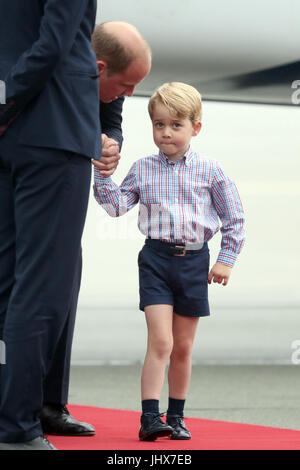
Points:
(180, 430)
(153, 427)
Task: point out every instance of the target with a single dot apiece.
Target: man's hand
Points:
(219, 273)
(110, 157)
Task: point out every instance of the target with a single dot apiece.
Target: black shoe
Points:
(56, 420)
(180, 431)
(39, 443)
(153, 427)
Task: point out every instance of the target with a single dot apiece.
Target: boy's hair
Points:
(181, 99)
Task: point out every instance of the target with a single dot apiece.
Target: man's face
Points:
(114, 86)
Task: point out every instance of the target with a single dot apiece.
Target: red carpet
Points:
(118, 430)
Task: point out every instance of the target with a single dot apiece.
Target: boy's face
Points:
(172, 134)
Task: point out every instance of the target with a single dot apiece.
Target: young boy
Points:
(181, 195)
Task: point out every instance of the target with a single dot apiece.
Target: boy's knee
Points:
(182, 349)
(163, 347)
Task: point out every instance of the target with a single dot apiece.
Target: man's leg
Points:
(56, 384)
(51, 189)
(7, 243)
(55, 417)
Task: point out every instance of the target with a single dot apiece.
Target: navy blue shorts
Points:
(180, 281)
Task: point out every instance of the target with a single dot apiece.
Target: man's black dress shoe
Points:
(39, 443)
(180, 430)
(153, 427)
(56, 420)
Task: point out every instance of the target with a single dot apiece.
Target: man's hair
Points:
(110, 49)
(181, 99)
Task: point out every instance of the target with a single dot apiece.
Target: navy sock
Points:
(176, 407)
(150, 406)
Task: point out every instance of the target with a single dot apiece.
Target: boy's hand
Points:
(219, 273)
(110, 157)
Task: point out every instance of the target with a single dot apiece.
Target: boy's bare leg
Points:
(184, 330)
(159, 320)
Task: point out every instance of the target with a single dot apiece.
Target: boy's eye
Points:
(159, 124)
(176, 124)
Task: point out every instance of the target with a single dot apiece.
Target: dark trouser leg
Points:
(56, 385)
(50, 192)
(7, 243)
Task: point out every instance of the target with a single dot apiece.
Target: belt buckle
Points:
(183, 248)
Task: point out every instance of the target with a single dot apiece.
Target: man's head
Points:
(123, 57)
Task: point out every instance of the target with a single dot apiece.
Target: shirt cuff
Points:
(101, 180)
(227, 257)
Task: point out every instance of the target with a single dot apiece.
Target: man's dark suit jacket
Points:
(50, 72)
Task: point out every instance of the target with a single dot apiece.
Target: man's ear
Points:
(102, 66)
(197, 128)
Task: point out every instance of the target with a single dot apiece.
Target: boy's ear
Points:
(102, 66)
(197, 128)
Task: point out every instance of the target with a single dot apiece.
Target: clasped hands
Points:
(110, 157)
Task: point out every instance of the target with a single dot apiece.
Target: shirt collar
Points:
(187, 157)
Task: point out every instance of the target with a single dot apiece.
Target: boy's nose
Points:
(166, 132)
